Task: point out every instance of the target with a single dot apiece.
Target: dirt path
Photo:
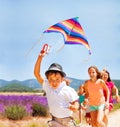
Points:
(114, 119)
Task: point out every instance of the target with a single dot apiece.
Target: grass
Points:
(116, 107)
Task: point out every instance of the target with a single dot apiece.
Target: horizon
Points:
(37, 80)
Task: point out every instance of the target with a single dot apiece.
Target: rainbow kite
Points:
(72, 32)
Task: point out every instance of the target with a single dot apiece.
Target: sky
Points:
(22, 23)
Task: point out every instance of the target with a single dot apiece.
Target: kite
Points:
(72, 32)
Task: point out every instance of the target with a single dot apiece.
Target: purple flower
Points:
(24, 100)
(2, 109)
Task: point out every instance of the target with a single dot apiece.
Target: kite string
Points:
(86, 59)
(61, 48)
(39, 40)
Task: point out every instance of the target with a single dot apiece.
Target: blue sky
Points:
(22, 22)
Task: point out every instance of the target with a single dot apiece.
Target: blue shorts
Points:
(99, 107)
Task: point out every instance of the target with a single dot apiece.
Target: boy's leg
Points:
(54, 124)
(65, 122)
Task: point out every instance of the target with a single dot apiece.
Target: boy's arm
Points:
(37, 69)
(43, 52)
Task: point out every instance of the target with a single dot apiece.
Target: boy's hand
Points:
(45, 50)
(74, 106)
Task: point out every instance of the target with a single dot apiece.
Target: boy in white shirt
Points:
(62, 99)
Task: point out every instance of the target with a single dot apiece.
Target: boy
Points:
(62, 99)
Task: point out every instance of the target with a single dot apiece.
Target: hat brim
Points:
(55, 70)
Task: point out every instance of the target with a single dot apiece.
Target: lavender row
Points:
(24, 100)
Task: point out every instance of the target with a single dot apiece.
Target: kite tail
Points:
(39, 40)
(89, 52)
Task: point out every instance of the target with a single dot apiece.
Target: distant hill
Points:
(33, 83)
(76, 83)
(15, 88)
(117, 83)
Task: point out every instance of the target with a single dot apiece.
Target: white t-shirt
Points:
(59, 99)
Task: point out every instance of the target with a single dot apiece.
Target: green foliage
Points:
(116, 106)
(39, 110)
(117, 83)
(15, 112)
(15, 88)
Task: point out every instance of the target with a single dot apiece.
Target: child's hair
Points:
(81, 87)
(109, 79)
(97, 71)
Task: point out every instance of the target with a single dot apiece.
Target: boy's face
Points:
(55, 79)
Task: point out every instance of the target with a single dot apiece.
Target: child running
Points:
(94, 90)
(62, 99)
(84, 106)
(112, 89)
(81, 94)
(87, 112)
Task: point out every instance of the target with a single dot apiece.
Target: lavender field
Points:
(26, 101)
